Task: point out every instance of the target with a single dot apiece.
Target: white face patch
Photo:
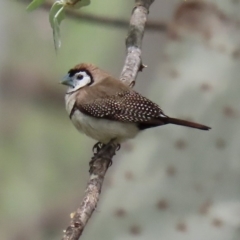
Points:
(80, 80)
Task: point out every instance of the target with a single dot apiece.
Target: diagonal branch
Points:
(99, 167)
(98, 170)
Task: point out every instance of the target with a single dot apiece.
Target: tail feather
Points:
(185, 123)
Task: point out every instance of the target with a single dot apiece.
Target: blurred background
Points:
(168, 183)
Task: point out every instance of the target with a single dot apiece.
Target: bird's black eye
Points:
(80, 77)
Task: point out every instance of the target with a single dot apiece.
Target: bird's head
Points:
(83, 75)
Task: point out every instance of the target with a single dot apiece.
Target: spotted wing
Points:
(126, 106)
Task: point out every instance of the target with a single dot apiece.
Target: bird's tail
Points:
(185, 123)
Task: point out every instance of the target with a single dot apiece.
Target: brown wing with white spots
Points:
(126, 106)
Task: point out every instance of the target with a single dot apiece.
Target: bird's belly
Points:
(104, 130)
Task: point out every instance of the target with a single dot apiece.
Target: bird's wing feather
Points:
(119, 103)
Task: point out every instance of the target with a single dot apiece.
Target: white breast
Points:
(99, 129)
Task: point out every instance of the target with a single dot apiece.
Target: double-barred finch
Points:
(104, 108)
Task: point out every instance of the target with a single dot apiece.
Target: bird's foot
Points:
(92, 162)
(118, 147)
(97, 150)
(97, 147)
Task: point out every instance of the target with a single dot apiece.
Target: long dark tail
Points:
(185, 123)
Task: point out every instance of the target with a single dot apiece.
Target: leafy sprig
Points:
(57, 14)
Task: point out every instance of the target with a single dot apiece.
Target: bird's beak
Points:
(67, 80)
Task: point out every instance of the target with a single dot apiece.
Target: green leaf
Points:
(56, 15)
(34, 4)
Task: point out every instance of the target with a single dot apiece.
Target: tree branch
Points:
(133, 62)
(98, 170)
(151, 26)
(100, 165)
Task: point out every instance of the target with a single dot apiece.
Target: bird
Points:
(105, 109)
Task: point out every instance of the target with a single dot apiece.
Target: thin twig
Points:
(151, 26)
